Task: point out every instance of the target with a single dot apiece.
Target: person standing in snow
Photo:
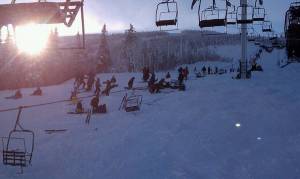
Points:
(195, 70)
(146, 74)
(204, 70)
(216, 70)
(97, 85)
(113, 79)
(91, 80)
(107, 88)
(186, 72)
(95, 103)
(168, 75)
(180, 78)
(79, 108)
(130, 83)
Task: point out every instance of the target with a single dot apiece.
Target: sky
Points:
(141, 13)
(118, 14)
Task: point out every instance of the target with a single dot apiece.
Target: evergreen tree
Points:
(104, 52)
(129, 45)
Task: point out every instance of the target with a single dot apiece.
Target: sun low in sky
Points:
(33, 38)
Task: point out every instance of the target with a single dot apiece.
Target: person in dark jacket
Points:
(180, 78)
(91, 80)
(216, 70)
(187, 72)
(79, 107)
(113, 79)
(97, 86)
(153, 77)
(107, 88)
(146, 75)
(130, 83)
(204, 70)
(162, 84)
(17, 95)
(168, 75)
(180, 70)
(37, 92)
(95, 103)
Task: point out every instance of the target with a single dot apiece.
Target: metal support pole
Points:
(82, 26)
(243, 64)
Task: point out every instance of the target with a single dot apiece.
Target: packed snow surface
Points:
(217, 128)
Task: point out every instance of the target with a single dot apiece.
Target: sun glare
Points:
(31, 38)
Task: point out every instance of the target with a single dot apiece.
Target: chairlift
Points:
(249, 16)
(267, 26)
(259, 13)
(231, 17)
(132, 103)
(251, 34)
(17, 14)
(212, 16)
(18, 146)
(167, 13)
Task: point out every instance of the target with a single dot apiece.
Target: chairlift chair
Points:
(212, 17)
(249, 15)
(167, 13)
(267, 26)
(18, 146)
(259, 13)
(132, 103)
(231, 17)
(17, 14)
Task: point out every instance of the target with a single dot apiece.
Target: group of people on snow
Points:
(18, 94)
(96, 83)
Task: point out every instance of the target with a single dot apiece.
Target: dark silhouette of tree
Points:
(129, 46)
(104, 52)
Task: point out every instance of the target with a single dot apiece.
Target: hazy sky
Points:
(118, 14)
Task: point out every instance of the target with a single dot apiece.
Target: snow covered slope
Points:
(218, 128)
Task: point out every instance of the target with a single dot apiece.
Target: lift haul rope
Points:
(49, 103)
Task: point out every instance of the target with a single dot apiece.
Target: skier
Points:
(17, 95)
(153, 78)
(204, 70)
(91, 80)
(107, 88)
(209, 70)
(113, 79)
(195, 70)
(168, 75)
(79, 108)
(73, 97)
(95, 103)
(186, 72)
(130, 83)
(146, 74)
(180, 78)
(37, 92)
(216, 70)
(97, 85)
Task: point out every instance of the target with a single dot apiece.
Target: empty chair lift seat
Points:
(166, 22)
(212, 23)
